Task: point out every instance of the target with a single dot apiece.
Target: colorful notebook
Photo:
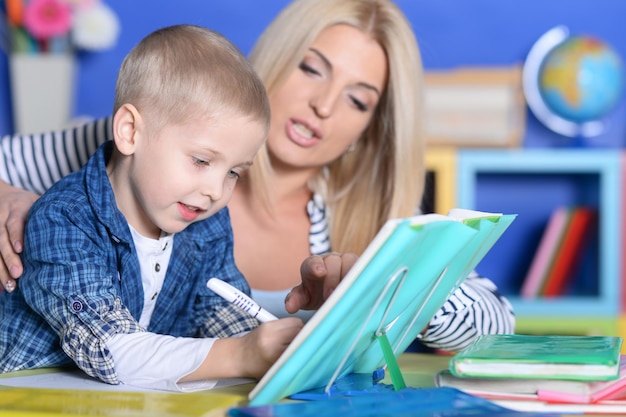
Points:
(397, 285)
(582, 358)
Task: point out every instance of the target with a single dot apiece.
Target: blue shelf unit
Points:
(532, 183)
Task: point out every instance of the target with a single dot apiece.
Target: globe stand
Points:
(578, 141)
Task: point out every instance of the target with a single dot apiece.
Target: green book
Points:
(582, 358)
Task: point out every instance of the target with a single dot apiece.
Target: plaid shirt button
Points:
(77, 306)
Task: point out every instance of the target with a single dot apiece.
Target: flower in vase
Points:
(95, 27)
(60, 26)
(45, 19)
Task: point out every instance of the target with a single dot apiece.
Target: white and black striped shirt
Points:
(35, 162)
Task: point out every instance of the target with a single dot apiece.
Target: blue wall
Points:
(451, 33)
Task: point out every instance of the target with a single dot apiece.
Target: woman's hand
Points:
(14, 206)
(320, 276)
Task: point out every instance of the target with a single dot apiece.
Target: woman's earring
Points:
(352, 147)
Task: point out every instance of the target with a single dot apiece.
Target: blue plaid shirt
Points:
(82, 281)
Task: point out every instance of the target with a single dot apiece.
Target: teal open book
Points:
(404, 276)
(583, 358)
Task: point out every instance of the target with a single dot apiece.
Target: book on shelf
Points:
(546, 250)
(570, 252)
(552, 390)
(582, 358)
(403, 277)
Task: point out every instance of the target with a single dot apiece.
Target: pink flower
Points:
(45, 19)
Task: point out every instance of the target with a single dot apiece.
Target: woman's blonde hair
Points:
(383, 177)
(183, 71)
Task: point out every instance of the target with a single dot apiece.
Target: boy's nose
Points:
(213, 189)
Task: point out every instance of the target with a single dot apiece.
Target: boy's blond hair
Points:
(180, 72)
(384, 176)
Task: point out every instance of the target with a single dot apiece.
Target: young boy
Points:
(117, 255)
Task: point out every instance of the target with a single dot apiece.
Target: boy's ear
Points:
(127, 123)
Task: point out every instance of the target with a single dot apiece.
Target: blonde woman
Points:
(344, 155)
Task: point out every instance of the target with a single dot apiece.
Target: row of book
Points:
(560, 252)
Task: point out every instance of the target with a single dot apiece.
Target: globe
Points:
(581, 79)
(572, 83)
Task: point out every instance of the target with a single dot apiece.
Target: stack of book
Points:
(560, 251)
(543, 373)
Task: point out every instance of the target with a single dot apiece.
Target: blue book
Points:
(413, 402)
(408, 271)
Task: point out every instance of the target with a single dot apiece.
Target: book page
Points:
(463, 214)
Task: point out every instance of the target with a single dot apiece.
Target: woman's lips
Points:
(301, 134)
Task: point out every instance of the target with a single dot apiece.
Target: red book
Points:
(570, 251)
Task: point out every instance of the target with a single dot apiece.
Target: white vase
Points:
(42, 91)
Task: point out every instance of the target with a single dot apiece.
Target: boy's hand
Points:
(264, 345)
(320, 276)
(14, 206)
(248, 356)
